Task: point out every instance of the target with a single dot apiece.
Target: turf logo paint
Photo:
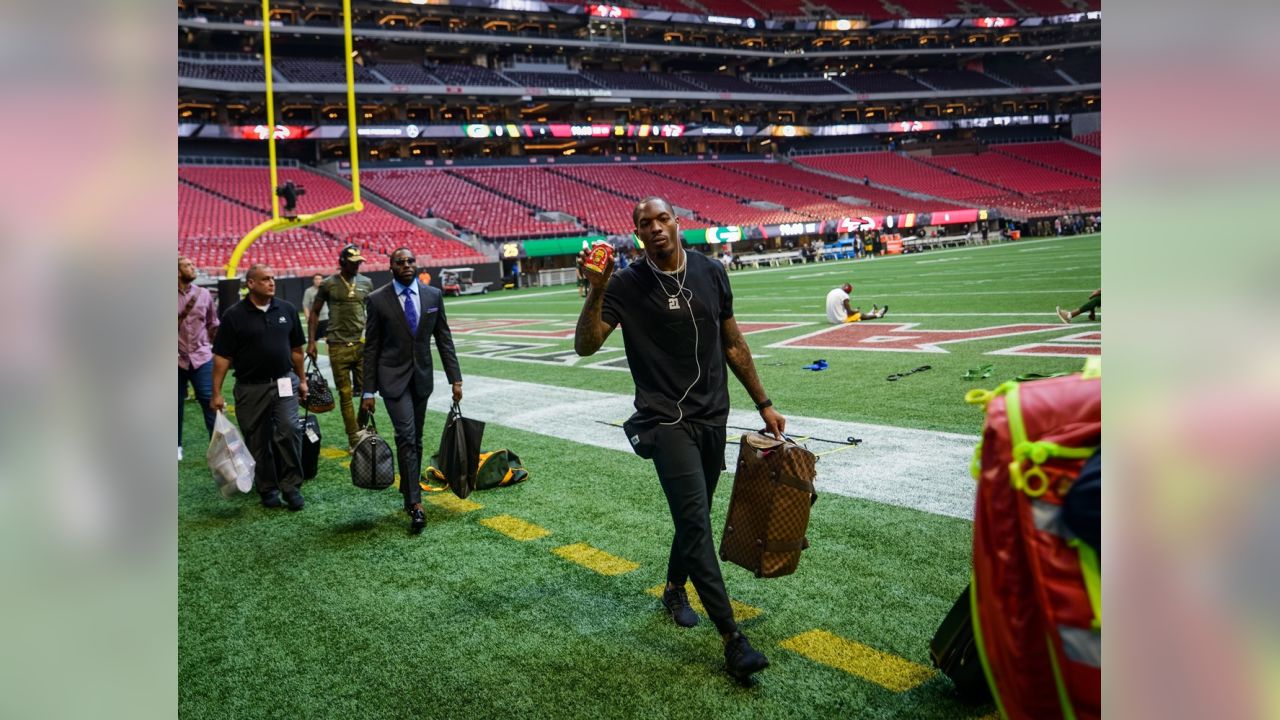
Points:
(1083, 344)
(902, 337)
(562, 358)
(490, 349)
(563, 331)
(469, 326)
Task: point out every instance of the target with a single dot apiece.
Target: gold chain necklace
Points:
(351, 289)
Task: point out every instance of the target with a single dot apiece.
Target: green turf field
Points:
(338, 612)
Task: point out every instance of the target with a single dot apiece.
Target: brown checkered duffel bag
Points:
(769, 509)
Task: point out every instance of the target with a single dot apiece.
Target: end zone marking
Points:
(595, 560)
(1094, 336)
(332, 453)
(751, 328)
(515, 528)
(1050, 350)
(741, 611)
(469, 326)
(453, 503)
(888, 671)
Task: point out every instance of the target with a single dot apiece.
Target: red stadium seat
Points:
(1093, 139)
(447, 195)
(987, 180)
(1057, 155)
(218, 205)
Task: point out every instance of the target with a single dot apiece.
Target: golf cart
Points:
(457, 281)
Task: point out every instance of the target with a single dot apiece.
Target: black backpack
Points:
(372, 465)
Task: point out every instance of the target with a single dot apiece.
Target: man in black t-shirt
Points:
(676, 311)
(261, 339)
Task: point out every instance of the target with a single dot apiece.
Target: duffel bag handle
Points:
(312, 365)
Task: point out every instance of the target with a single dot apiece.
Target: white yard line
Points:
(513, 298)
(920, 469)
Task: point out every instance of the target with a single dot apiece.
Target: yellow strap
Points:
(1091, 569)
(978, 396)
(978, 643)
(1092, 368)
(1064, 697)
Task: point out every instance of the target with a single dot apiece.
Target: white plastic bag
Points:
(229, 458)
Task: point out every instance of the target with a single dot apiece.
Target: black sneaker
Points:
(418, 520)
(271, 499)
(676, 602)
(294, 500)
(885, 311)
(741, 660)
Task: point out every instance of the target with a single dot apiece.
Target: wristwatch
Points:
(766, 404)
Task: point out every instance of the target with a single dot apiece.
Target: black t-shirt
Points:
(259, 343)
(669, 355)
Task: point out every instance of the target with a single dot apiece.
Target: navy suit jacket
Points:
(396, 361)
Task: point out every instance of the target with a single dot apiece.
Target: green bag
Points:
(497, 469)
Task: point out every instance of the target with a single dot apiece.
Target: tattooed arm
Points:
(738, 355)
(592, 330)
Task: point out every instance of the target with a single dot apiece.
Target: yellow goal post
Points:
(283, 223)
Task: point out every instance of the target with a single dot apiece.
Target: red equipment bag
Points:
(1037, 589)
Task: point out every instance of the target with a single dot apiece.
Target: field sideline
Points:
(535, 601)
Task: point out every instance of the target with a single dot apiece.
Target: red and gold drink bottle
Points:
(599, 257)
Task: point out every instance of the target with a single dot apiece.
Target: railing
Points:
(837, 150)
(929, 243)
(200, 56)
(789, 77)
(240, 161)
(517, 61)
(559, 276)
(772, 259)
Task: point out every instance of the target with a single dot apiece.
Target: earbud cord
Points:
(681, 291)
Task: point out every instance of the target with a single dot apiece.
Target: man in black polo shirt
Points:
(261, 338)
(678, 329)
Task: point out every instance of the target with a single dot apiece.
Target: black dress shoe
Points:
(419, 520)
(271, 499)
(294, 500)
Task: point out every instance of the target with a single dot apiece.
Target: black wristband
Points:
(766, 404)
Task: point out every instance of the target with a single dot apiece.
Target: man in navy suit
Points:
(401, 318)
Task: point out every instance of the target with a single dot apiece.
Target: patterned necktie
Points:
(411, 311)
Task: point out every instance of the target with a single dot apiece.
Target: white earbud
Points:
(687, 293)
